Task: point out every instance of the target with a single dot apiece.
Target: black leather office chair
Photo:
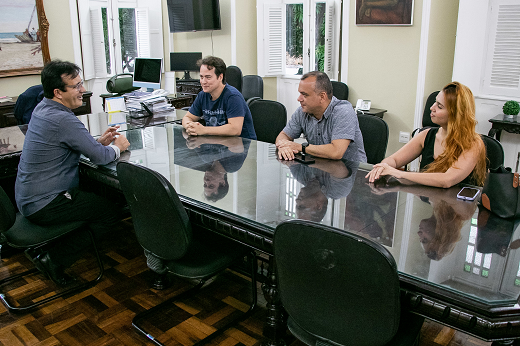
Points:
(339, 288)
(269, 118)
(171, 242)
(426, 119)
(494, 152)
(20, 233)
(26, 102)
(252, 86)
(340, 90)
(375, 137)
(234, 77)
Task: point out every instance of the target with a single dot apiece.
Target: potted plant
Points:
(510, 109)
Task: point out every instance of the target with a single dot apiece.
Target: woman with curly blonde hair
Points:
(451, 153)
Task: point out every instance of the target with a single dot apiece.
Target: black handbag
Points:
(500, 194)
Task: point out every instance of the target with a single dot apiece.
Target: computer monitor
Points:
(185, 62)
(147, 73)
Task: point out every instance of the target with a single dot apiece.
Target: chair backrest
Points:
(252, 86)
(160, 221)
(494, 152)
(336, 285)
(375, 137)
(26, 102)
(234, 77)
(7, 212)
(426, 119)
(340, 90)
(269, 119)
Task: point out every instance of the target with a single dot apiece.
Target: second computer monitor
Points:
(147, 73)
(185, 62)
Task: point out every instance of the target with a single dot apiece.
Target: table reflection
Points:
(97, 123)
(371, 211)
(494, 234)
(435, 238)
(216, 157)
(324, 180)
(11, 139)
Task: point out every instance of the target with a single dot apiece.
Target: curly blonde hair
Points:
(461, 135)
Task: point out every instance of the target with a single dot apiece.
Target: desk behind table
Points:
(7, 118)
(503, 122)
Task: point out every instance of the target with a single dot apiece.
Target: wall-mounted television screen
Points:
(193, 15)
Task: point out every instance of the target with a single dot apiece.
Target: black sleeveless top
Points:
(427, 155)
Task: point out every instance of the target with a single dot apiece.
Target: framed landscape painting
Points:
(384, 12)
(24, 30)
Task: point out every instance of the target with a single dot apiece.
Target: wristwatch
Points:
(304, 145)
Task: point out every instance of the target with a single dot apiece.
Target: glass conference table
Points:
(458, 265)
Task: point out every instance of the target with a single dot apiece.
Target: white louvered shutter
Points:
(275, 43)
(330, 54)
(271, 36)
(502, 67)
(142, 32)
(86, 40)
(98, 43)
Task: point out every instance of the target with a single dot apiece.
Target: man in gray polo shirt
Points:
(330, 125)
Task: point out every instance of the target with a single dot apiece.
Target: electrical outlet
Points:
(404, 137)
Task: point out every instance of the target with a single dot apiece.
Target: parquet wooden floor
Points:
(102, 315)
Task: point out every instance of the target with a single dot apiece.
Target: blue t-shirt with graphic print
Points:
(230, 104)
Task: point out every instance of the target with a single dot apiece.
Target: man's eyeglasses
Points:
(77, 86)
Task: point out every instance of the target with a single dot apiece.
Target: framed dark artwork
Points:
(24, 47)
(384, 12)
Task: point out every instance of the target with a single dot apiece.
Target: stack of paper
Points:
(155, 101)
(5, 99)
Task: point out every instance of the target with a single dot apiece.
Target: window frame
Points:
(496, 57)
(272, 61)
(148, 35)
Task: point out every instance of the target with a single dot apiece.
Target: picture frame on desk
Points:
(25, 49)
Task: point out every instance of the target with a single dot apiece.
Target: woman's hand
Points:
(380, 170)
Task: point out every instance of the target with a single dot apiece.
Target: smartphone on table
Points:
(468, 193)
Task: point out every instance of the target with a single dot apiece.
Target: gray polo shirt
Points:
(332, 187)
(338, 122)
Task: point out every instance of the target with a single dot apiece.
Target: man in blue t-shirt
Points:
(221, 106)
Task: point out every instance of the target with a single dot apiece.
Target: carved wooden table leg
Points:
(276, 321)
(494, 132)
